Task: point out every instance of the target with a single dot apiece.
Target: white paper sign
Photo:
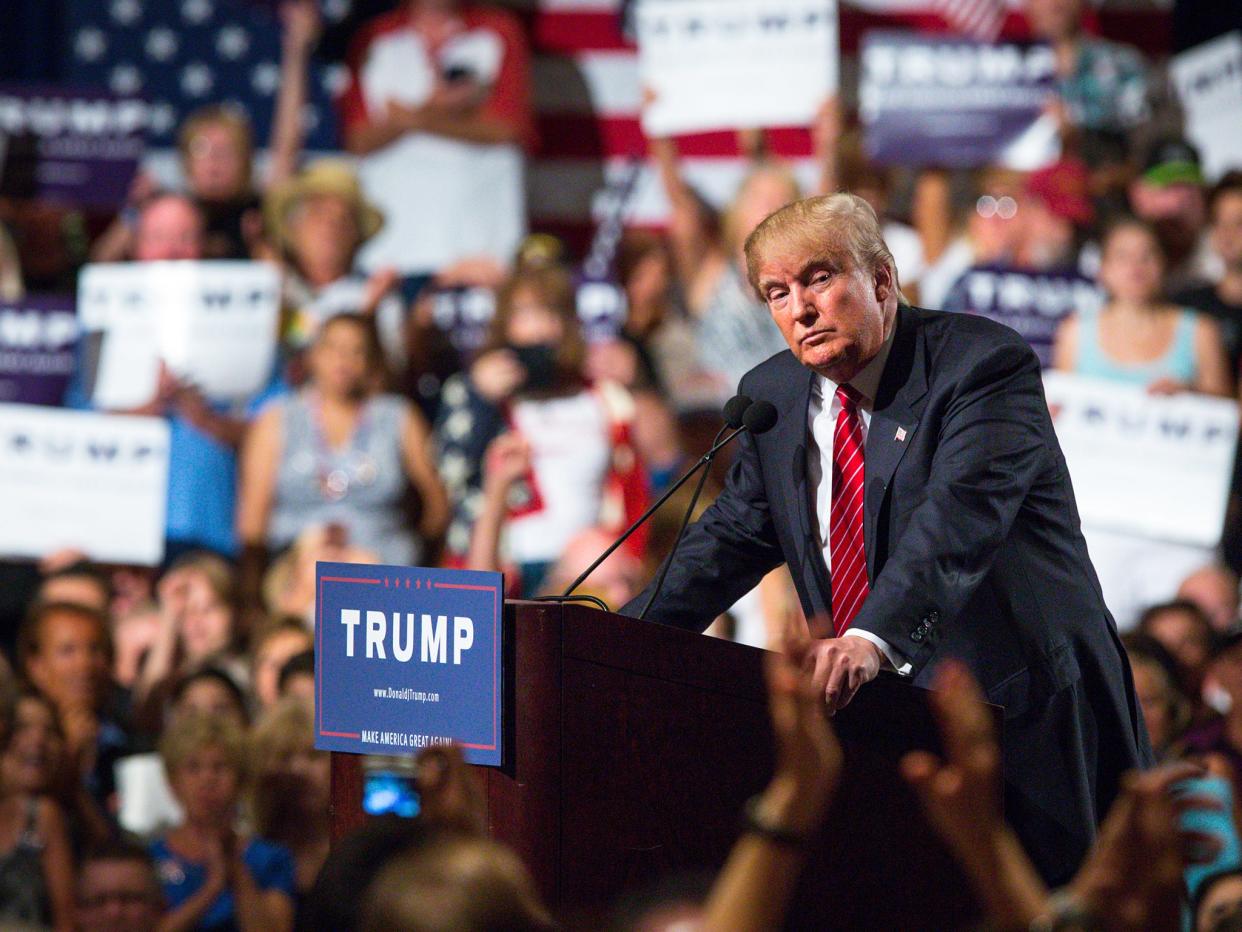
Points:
(1152, 466)
(212, 323)
(91, 482)
(1208, 79)
(722, 64)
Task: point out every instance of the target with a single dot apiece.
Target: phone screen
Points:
(387, 791)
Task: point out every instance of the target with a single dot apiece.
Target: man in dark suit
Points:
(915, 488)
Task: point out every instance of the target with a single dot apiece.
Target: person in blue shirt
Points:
(213, 877)
(205, 434)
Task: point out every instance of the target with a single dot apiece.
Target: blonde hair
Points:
(194, 732)
(285, 729)
(838, 225)
(230, 116)
(731, 234)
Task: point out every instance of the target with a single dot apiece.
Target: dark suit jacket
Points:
(973, 551)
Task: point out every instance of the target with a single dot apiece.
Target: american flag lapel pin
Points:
(901, 435)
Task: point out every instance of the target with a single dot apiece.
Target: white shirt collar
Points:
(867, 381)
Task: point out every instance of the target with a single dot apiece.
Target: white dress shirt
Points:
(822, 422)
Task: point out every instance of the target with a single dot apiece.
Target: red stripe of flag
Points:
(579, 135)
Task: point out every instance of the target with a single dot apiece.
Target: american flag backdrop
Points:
(181, 54)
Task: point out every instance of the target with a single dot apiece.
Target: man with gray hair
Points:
(915, 488)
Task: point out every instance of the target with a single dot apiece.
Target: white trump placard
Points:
(1155, 466)
(213, 324)
(721, 64)
(1208, 79)
(90, 482)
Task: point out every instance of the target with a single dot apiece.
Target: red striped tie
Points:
(845, 524)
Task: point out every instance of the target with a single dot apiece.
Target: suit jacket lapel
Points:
(793, 431)
(893, 422)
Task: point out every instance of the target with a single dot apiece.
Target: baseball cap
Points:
(1064, 188)
(1172, 161)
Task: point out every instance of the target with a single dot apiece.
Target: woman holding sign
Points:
(341, 454)
(1139, 339)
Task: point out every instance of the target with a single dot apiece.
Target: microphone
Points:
(734, 410)
(734, 414)
(760, 417)
(757, 417)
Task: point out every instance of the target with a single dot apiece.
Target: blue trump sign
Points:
(408, 657)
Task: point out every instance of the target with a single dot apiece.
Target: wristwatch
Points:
(754, 823)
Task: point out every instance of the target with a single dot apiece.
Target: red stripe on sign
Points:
(574, 32)
(496, 684)
(341, 734)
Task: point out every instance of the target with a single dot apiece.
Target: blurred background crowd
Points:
(508, 320)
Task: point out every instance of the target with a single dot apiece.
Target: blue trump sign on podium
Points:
(408, 657)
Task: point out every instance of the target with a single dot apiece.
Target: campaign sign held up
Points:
(408, 657)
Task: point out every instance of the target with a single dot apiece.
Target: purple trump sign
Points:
(74, 147)
(38, 349)
(951, 102)
(408, 657)
(1031, 302)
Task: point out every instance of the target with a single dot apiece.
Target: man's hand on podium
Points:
(838, 667)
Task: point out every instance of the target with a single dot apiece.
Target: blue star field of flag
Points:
(184, 54)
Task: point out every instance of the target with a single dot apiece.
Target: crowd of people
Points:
(440, 398)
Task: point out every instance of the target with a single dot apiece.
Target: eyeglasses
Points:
(1003, 208)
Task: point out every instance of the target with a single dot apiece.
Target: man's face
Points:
(833, 314)
(71, 664)
(169, 228)
(324, 232)
(1177, 211)
(1227, 230)
(117, 896)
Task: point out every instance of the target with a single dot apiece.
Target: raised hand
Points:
(962, 798)
(808, 755)
(449, 790)
(961, 794)
(1132, 879)
(497, 375)
(301, 23)
(506, 461)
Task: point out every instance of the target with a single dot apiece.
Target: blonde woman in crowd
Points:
(214, 877)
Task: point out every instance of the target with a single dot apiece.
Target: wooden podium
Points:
(632, 747)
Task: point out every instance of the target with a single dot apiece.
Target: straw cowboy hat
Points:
(324, 176)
